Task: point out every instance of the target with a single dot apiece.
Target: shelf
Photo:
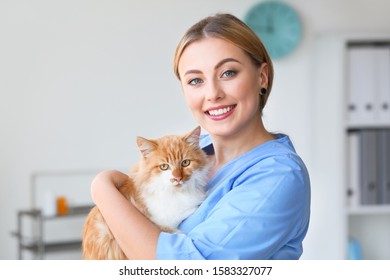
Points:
(369, 210)
(54, 246)
(369, 125)
(73, 211)
(36, 243)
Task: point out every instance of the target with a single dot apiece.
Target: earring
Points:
(263, 91)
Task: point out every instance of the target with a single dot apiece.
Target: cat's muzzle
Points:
(176, 182)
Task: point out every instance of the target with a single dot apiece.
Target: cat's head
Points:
(173, 158)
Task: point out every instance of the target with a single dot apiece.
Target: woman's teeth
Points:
(220, 111)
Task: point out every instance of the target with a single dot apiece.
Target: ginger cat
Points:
(167, 185)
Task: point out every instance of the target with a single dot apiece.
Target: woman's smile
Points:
(220, 112)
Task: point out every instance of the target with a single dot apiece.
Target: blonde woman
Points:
(258, 204)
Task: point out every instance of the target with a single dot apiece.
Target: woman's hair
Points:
(235, 31)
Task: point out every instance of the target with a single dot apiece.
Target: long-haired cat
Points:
(167, 185)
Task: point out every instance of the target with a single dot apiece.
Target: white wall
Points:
(79, 79)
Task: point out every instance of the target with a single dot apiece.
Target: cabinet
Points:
(37, 243)
(343, 63)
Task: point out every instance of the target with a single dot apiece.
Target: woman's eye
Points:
(185, 163)
(228, 74)
(164, 166)
(195, 81)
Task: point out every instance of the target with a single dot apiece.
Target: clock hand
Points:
(270, 26)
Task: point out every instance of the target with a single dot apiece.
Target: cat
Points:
(167, 185)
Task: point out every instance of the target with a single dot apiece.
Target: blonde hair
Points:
(235, 31)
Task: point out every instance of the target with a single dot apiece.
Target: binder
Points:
(368, 167)
(384, 166)
(382, 58)
(361, 84)
(353, 191)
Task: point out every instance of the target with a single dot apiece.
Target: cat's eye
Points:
(164, 166)
(185, 163)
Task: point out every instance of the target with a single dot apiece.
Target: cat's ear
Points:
(145, 146)
(193, 136)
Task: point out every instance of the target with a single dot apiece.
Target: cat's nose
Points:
(177, 175)
(178, 178)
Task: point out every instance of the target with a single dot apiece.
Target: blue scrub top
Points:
(258, 207)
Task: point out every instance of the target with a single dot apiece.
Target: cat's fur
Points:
(166, 197)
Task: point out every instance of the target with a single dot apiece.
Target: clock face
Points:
(278, 26)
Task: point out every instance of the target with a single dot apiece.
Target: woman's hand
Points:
(107, 179)
(136, 235)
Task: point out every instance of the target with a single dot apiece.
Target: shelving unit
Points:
(369, 224)
(37, 243)
(369, 210)
(368, 87)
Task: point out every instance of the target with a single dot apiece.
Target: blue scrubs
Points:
(258, 207)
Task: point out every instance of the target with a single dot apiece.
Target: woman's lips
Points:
(220, 112)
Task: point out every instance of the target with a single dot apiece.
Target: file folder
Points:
(368, 155)
(382, 57)
(361, 84)
(353, 192)
(384, 166)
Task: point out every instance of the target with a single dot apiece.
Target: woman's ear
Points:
(263, 75)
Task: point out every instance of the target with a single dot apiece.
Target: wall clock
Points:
(278, 26)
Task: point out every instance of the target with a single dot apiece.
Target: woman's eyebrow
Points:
(219, 64)
(193, 72)
(223, 61)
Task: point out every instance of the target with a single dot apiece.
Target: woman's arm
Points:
(135, 234)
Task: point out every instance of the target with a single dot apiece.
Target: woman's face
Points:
(222, 86)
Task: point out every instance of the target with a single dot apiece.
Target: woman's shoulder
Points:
(274, 161)
(280, 148)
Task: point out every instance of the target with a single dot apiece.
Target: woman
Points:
(258, 202)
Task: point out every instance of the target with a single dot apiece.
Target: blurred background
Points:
(80, 79)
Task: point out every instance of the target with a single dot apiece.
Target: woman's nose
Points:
(215, 92)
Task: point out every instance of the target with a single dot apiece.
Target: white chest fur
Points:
(168, 204)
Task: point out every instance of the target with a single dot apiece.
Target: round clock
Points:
(278, 26)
